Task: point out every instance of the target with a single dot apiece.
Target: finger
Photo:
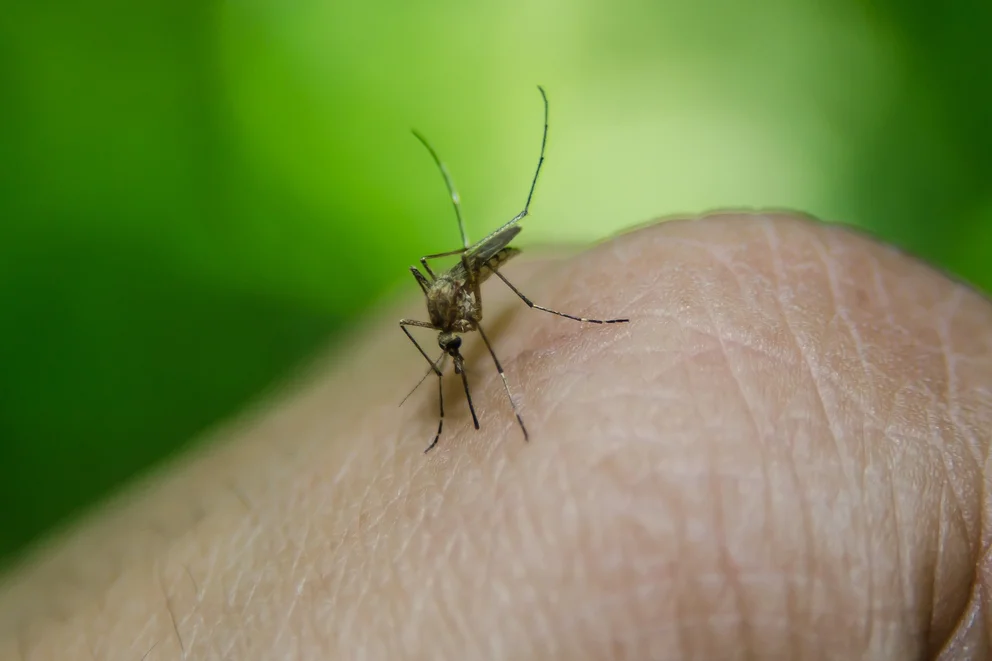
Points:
(781, 455)
(813, 404)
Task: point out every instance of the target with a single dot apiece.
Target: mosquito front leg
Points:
(440, 387)
(534, 305)
(421, 324)
(440, 417)
(449, 253)
(422, 280)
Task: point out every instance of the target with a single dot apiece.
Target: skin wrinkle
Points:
(868, 525)
(285, 625)
(825, 388)
(869, 427)
(190, 614)
(881, 295)
(695, 584)
(946, 485)
(985, 574)
(700, 587)
(841, 311)
(681, 614)
(808, 552)
(947, 470)
(150, 650)
(717, 486)
(984, 579)
(971, 630)
(937, 425)
(567, 363)
(864, 440)
(574, 380)
(951, 399)
(940, 534)
(731, 570)
(840, 308)
(957, 507)
(966, 643)
(175, 626)
(898, 535)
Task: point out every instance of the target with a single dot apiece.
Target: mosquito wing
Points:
(496, 261)
(487, 248)
(488, 254)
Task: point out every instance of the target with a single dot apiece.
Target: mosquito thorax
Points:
(452, 306)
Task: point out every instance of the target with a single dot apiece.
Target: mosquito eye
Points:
(449, 342)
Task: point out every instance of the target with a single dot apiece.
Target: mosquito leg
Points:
(422, 324)
(532, 304)
(440, 417)
(468, 395)
(449, 253)
(440, 390)
(422, 280)
(506, 386)
(455, 198)
(446, 253)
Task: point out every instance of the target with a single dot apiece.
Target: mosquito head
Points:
(451, 344)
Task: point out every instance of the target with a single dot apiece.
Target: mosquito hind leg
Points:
(534, 305)
(506, 386)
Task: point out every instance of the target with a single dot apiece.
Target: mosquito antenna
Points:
(455, 199)
(540, 160)
(438, 364)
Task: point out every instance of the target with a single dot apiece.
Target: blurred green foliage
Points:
(195, 196)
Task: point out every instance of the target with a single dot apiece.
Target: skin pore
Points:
(784, 455)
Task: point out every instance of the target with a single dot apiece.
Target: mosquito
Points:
(454, 300)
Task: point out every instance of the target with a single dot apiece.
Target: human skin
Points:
(784, 455)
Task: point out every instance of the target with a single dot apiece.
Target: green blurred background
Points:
(196, 196)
